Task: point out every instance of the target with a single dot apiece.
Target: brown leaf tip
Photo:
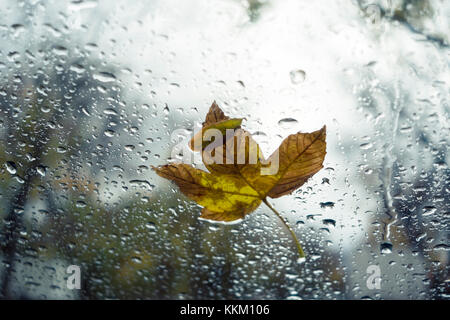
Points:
(215, 114)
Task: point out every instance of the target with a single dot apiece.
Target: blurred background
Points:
(91, 93)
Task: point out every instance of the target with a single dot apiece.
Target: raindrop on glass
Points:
(297, 76)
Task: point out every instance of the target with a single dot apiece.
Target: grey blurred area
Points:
(94, 93)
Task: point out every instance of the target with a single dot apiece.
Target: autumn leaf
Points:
(215, 119)
(237, 181)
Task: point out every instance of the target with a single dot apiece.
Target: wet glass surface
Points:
(91, 93)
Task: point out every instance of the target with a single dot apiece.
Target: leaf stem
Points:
(299, 247)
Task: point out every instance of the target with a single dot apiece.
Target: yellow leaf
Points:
(237, 184)
(300, 157)
(217, 192)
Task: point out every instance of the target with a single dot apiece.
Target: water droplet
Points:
(407, 129)
(77, 68)
(442, 246)
(141, 183)
(110, 111)
(366, 146)
(297, 76)
(11, 167)
(386, 247)
(151, 226)
(17, 29)
(301, 260)
(85, 111)
(327, 204)
(19, 179)
(287, 123)
(104, 77)
(118, 168)
(329, 222)
(61, 149)
(14, 55)
(80, 204)
(136, 260)
(41, 170)
(91, 46)
(60, 51)
(428, 211)
(45, 109)
(77, 5)
(109, 133)
(166, 110)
